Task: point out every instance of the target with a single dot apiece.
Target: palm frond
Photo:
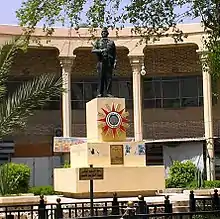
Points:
(7, 54)
(15, 111)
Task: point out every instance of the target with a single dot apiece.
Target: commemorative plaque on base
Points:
(117, 154)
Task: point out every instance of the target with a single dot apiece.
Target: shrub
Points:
(66, 164)
(42, 190)
(207, 184)
(181, 174)
(22, 172)
(14, 178)
(212, 184)
(192, 185)
(168, 183)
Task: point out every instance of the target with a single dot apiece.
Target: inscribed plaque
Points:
(91, 173)
(117, 154)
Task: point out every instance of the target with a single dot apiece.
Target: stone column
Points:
(208, 118)
(66, 64)
(137, 68)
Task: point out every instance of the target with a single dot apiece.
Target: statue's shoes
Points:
(99, 95)
(110, 95)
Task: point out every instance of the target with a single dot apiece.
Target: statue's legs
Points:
(109, 82)
(105, 79)
(101, 84)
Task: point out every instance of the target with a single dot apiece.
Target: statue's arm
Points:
(114, 55)
(96, 49)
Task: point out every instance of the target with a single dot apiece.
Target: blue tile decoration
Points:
(140, 150)
(127, 149)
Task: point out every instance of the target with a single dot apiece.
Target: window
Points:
(52, 104)
(158, 92)
(200, 86)
(125, 89)
(170, 89)
(78, 104)
(189, 87)
(77, 91)
(115, 88)
(85, 91)
(152, 93)
(172, 92)
(149, 92)
(90, 90)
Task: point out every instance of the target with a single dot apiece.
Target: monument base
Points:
(115, 165)
(126, 181)
(107, 154)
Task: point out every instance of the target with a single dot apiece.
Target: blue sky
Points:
(7, 11)
(8, 16)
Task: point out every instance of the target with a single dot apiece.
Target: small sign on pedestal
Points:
(91, 173)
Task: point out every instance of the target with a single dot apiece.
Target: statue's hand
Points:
(115, 65)
(103, 50)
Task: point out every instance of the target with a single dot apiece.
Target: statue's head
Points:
(104, 32)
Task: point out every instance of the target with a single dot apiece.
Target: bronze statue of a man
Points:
(105, 50)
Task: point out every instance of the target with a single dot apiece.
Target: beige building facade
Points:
(170, 95)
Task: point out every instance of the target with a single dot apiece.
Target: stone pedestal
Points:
(108, 154)
(99, 112)
(123, 162)
(126, 181)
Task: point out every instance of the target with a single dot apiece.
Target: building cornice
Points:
(12, 30)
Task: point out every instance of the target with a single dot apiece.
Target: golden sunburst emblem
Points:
(113, 120)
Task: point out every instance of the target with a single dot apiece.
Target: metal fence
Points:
(208, 207)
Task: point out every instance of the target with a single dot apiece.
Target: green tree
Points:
(156, 17)
(16, 107)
